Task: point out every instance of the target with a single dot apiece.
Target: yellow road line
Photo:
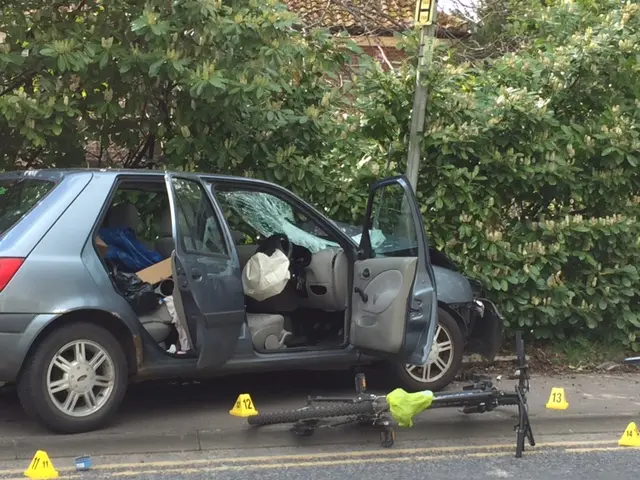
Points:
(272, 466)
(336, 456)
(599, 449)
(321, 463)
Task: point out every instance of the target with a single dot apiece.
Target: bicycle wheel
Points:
(312, 413)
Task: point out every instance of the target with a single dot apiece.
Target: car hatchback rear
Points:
(30, 204)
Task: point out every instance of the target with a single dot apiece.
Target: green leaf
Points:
(48, 52)
(104, 58)
(62, 64)
(154, 68)
(217, 82)
(160, 28)
(139, 24)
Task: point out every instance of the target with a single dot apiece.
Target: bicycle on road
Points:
(376, 410)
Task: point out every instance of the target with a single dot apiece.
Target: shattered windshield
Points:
(269, 215)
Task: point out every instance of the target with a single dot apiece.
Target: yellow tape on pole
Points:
(425, 12)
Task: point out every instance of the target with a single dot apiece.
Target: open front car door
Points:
(394, 301)
(208, 287)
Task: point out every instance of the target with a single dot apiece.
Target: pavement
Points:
(162, 417)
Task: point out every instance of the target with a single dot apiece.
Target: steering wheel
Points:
(279, 241)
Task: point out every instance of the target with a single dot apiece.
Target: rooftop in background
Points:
(370, 17)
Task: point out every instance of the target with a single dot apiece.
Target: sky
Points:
(464, 5)
(448, 4)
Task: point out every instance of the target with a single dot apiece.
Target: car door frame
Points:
(219, 327)
(424, 282)
(349, 246)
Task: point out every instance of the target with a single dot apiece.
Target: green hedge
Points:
(530, 172)
(530, 177)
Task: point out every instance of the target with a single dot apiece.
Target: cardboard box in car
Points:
(101, 247)
(156, 273)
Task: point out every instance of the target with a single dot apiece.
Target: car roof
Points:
(56, 174)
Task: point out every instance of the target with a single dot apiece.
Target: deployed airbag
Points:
(265, 276)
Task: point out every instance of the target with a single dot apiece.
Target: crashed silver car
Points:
(114, 276)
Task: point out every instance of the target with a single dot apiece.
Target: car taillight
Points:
(8, 268)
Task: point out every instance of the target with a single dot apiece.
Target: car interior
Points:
(311, 310)
(312, 306)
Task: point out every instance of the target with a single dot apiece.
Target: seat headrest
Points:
(124, 215)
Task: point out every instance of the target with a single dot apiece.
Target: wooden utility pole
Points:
(425, 18)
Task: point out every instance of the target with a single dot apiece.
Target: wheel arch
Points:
(464, 329)
(111, 322)
(400, 373)
(452, 287)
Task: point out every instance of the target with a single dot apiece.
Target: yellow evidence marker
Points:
(630, 437)
(243, 407)
(41, 467)
(557, 399)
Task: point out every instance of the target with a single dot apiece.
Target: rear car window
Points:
(18, 196)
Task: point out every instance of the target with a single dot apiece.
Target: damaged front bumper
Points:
(632, 361)
(487, 329)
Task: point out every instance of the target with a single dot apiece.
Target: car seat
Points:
(267, 331)
(164, 243)
(158, 323)
(123, 215)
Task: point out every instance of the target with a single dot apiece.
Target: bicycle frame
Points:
(479, 397)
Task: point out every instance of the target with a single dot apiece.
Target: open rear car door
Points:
(394, 301)
(208, 287)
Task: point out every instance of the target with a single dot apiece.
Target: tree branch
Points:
(20, 80)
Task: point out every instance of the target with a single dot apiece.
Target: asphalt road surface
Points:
(567, 460)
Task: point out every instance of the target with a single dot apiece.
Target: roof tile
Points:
(368, 16)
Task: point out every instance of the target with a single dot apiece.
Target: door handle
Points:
(196, 274)
(363, 296)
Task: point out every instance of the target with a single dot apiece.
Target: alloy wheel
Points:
(80, 378)
(439, 361)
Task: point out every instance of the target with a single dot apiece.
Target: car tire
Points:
(75, 380)
(416, 378)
